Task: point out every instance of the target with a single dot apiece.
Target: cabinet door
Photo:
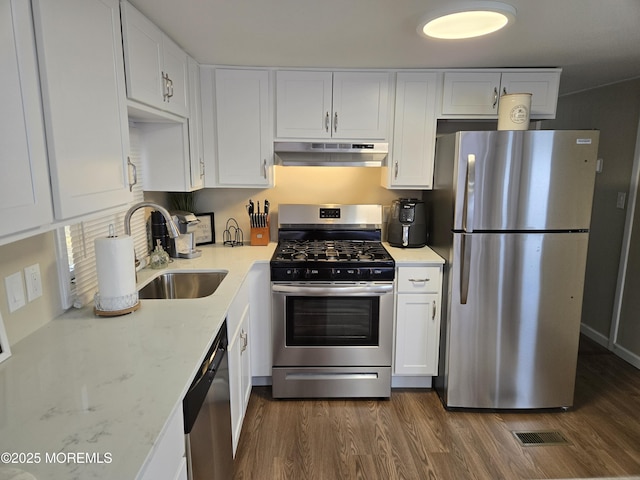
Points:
(360, 105)
(143, 57)
(543, 86)
(239, 375)
(168, 459)
(417, 334)
(25, 195)
(244, 144)
(470, 93)
(195, 126)
(82, 74)
(412, 156)
(260, 301)
(303, 104)
(175, 66)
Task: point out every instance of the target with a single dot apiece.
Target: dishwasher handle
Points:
(199, 388)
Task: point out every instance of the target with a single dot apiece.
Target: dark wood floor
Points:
(411, 436)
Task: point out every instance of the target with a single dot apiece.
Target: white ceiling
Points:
(596, 42)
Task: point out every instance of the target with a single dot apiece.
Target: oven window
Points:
(332, 321)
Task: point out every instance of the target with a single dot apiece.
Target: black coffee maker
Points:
(407, 223)
(160, 232)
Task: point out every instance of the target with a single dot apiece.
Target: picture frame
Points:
(5, 351)
(205, 233)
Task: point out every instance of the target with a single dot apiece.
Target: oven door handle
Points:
(324, 290)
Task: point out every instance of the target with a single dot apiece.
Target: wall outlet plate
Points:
(34, 282)
(15, 291)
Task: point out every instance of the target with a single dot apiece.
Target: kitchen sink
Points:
(171, 285)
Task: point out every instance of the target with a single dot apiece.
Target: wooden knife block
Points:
(260, 235)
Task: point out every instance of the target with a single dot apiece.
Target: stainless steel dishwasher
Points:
(207, 416)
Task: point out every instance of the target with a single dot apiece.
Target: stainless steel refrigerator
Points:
(510, 213)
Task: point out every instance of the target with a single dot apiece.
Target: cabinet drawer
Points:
(418, 279)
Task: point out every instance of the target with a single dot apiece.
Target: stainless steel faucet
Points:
(171, 226)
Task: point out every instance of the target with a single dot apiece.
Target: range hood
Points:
(344, 154)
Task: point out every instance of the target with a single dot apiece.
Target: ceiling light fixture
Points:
(467, 20)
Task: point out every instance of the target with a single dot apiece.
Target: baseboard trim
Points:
(594, 335)
(627, 355)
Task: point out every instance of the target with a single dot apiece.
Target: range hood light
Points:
(467, 20)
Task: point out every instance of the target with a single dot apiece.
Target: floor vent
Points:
(532, 439)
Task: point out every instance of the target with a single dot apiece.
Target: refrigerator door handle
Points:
(469, 194)
(465, 267)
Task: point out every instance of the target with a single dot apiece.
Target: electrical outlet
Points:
(34, 282)
(15, 291)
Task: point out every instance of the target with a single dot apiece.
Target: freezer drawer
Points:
(513, 325)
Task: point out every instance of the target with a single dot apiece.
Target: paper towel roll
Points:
(115, 265)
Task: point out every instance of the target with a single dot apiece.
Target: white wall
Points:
(615, 111)
(294, 185)
(14, 257)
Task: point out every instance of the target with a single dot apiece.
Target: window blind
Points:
(82, 280)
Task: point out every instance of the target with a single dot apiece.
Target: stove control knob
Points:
(293, 273)
(311, 273)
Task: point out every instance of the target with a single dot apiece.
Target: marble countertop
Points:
(102, 388)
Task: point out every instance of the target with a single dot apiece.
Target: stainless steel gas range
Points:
(332, 292)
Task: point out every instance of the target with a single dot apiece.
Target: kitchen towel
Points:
(115, 264)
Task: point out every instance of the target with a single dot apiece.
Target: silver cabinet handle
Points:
(495, 97)
(504, 90)
(245, 340)
(433, 310)
(326, 122)
(131, 166)
(395, 170)
(264, 168)
(165, 86)
(201, 168)
(419, 280)
(169, 87)
(335, 121)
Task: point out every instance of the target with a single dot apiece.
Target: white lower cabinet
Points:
(260, 301)
(238, 327)
(418, 320)
(168, 461)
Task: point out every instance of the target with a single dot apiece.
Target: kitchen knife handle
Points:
(469, 194)
(465, 267)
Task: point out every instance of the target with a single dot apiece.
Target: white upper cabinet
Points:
(25, 195)
(410, 163)
(236, 113)
(157, 68)
(341, 105)
(80, 57)
(476, 94)
(196, 153)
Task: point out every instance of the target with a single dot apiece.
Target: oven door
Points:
(332, 324)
